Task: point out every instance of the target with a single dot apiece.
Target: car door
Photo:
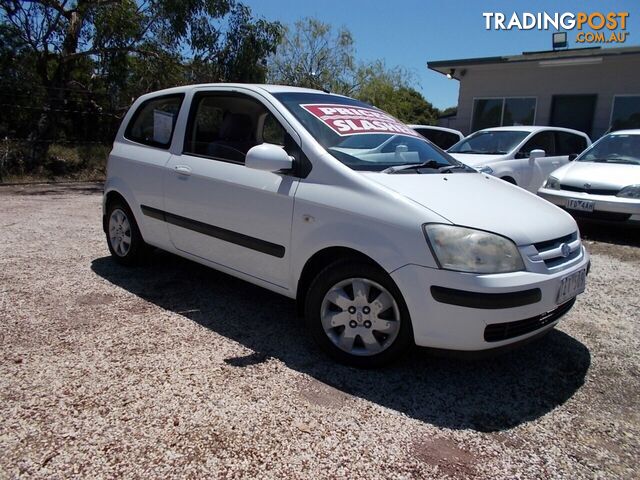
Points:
(218, 209)
(138, 160)
(535, 171)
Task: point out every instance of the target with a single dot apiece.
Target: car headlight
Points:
(485, 169)
(552, 183)
(632, 191)
(468, 250)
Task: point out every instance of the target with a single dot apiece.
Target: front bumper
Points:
(516, 306)
(602, 203)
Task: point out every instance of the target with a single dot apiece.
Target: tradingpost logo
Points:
(590, 27)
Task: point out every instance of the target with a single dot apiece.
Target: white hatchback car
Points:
(381, 250)
(603, 182)
(522, 155)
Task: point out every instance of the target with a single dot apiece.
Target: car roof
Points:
(531, 129)
(634, 131)
(434, 127)
(250, 86)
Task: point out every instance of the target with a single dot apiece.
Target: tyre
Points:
(509, 180)
(123, 235)
(355, 312)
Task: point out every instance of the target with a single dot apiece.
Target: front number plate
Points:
(582, 205)
(572, 285)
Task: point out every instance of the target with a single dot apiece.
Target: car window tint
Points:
(154, 121)
(568, 143)
(442, 139)
(226, 126)
(272, 131)
(540, 141)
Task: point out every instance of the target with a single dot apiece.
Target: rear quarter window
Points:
(441, 138)
(568, 143)
(154, 121)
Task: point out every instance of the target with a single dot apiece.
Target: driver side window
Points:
(225, 126)
(540, 141)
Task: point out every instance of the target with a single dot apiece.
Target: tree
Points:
(312, 54)
(121, 48)
(391, 91)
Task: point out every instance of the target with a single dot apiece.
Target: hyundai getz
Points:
(382, 248)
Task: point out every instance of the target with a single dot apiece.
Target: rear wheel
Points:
(123, 236)
(356, 313)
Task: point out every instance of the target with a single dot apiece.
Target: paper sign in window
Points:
(162, 126)
(349, 120)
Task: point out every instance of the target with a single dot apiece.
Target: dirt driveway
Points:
(174, 370)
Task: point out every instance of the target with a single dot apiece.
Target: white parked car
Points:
(440, 136)
(522, 155)
(380, 250)
(603, 182)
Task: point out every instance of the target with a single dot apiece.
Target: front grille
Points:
(555, 243)
(549, 250)
(592, 191)
(503, 331)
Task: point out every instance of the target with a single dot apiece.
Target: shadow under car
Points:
(487, 394)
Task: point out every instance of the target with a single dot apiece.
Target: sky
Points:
(408, 33)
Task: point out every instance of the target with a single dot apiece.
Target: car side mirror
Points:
(537, 153)
(268, 157)
(572, 156)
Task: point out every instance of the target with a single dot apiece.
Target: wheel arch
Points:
(112, 194)
(320, 260)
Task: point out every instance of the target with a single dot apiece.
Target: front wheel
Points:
(356, 313)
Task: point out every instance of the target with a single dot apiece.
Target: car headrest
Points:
(236, 126)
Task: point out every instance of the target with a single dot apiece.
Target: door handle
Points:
(182, 169)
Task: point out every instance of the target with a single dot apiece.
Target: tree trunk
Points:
(45, 130)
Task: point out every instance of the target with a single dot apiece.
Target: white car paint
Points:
(602, 182)
(377, 214)
(528, 173)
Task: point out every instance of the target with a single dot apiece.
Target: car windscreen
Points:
(361, 136)
(493, 142)
(618, 148)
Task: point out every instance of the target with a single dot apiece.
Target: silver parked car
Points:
(603, 182)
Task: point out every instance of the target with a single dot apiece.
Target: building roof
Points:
(444, 66)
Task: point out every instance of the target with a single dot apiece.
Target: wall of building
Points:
(615, 75)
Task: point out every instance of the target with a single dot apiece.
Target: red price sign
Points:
(349, 120)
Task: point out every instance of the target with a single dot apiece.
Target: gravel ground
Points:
(175, 370)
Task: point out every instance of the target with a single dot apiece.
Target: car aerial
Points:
(603, 182)
(381, 251)
(522, 155)
(440, 136)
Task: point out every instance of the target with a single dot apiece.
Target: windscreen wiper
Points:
(398, 168)
(451, 168)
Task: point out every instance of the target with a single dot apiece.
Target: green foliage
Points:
(314, 55)
(391, 91)
(70, 69)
